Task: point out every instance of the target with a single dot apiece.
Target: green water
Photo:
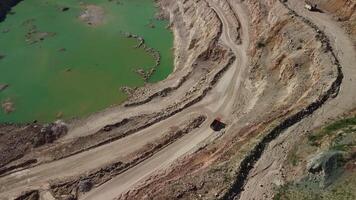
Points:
(86, 77)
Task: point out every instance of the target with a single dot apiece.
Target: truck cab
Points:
(217, 125)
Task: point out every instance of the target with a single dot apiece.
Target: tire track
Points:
(250, 160)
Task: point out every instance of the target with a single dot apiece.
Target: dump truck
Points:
(217, 125)
(309, 6)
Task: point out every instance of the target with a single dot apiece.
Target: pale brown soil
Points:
(15, 141)
(343, 11)
(270, 71)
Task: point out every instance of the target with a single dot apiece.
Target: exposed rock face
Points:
(30, 195)
(325, 165)
(344, 11)
(50, 132)
(289, 70)
(14, 141)
(68, 197)
(85, 182)
(196, 29)
(17, 140)
(85, 185)
(196, 32)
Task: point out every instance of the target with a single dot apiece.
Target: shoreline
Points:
(151, 51)
(158, 90)
(128, 91)
(264, 70)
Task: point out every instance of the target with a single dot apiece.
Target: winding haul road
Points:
(267, 171)
(218, 102)
(219, 106)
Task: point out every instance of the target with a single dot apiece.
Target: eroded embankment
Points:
(98, 177)
(288, 70)
(207, 54)
(249, 161)
(29, 195)
(127, 126)
(324, 161)
(343, 12)
(124, 128)
(15, 142)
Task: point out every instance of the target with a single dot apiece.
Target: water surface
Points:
(58, 66)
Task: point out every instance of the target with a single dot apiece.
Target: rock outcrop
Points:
(343, 11)
(325, 165)
(291, 74)
(50, 132)
(282, 69)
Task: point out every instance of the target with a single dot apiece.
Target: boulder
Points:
(85, 186)
(50, 132)
(59, 128)
(325, 165)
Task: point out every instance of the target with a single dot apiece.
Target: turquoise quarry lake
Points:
(68, 58)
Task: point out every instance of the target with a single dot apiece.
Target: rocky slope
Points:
(199, 61)
(323, 163)
(289, 69)
(343, 11)
(262, 66)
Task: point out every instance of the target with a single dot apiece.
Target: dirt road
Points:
(218, 102)
(268, 171)
(221, 106)
(159, 161)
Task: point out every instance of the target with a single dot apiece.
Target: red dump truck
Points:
(217, 124)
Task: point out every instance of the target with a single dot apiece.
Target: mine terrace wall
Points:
(249, 161)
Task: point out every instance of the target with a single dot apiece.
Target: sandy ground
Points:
(220, 101)
(80, 163)
(222, 107)
(268, 172)
(217, 103)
